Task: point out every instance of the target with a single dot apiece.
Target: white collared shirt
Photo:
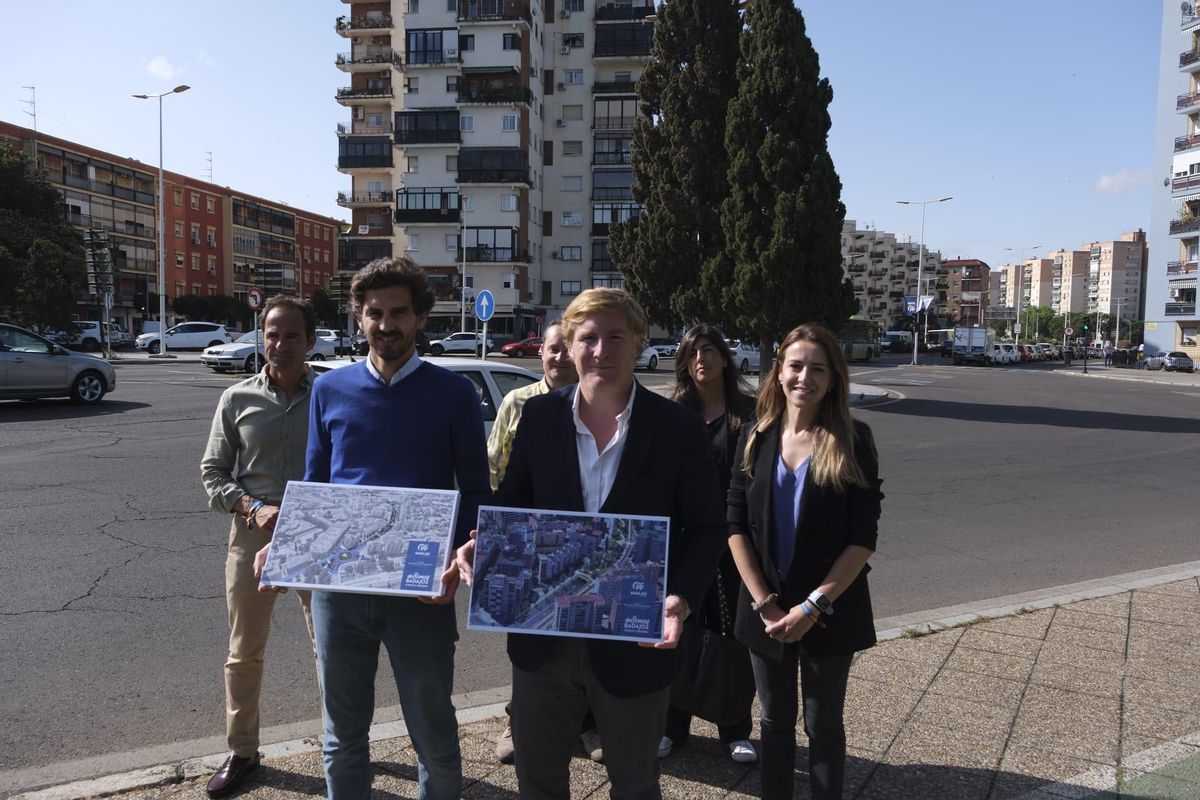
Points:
(408, 368)
(597, 470)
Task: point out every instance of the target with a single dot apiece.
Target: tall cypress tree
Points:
(679, 161)
(783, 217)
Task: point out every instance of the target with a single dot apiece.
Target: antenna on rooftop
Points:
(32, 103)
(208, 164)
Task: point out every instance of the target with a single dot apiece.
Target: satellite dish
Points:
(1185, 7)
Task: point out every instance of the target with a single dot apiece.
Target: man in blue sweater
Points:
(393, 420)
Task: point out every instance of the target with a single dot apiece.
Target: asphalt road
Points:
(112, 616)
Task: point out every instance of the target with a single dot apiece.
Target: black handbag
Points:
(715, 681)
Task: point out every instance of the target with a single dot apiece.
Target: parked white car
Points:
(239, 355)
(492, 379)
(648, 360)
(1000, 355)
(342, 344)
(187, 336)
(461, 342)
(745, 356)
(87, 334)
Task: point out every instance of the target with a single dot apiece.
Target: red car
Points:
(525, 347)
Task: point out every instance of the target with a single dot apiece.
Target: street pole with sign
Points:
(485, 306)
(254, 299)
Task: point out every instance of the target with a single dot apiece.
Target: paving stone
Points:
(977, 719)
(978, 638)
(932, 648)
(1150, 602)
(1177, 697)
(894, 671)
(1076, 678)
(1098, 622)
(1063, 652)
(932, 745)
(1025, 770)
(1171, 667)
(1069, 723)
(1032, 625)
(1116, 605)
(978, 688)
(1163, 723)
(926, 782)
(1083, 637)
(1166, 634)
(875, 713)
(1185, 588)
(997, 665)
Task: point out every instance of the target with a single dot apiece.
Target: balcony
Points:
(427, 216)
(493, 11)
(363, 62)
(614, 13)
(405, 137)
(350, 162)
(618, 123)
(474, 94)
(349, 95)
(431, 205)
(625, 49)
(363, 199)
(1189, 60)
(361, 128)
(501, 175)
(1185, 225)
(371, 230)
(1180, 309)
(600, 228)
(352, 26)
(1189, 18)
(432, 58)
(614, 87)
(486, 254)
(612, 159)
(1186, 142)
(1180, 267)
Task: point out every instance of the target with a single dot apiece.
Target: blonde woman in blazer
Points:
(803, 508)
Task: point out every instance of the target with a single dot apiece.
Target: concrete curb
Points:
(1138, 376)
(485, 704)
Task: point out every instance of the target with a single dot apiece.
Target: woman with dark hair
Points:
(804, 504)
(707, 381)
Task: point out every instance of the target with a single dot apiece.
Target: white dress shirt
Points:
(598, 470)
(406, 369)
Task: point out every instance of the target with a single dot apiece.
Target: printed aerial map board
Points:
(559, 573)
(371, 539)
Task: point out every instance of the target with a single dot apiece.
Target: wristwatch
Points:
(822, 603)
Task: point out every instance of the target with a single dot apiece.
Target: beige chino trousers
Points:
(249, 627)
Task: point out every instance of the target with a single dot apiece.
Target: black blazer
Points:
(666, 470)
(829, 522)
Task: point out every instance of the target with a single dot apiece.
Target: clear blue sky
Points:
(1037, 116)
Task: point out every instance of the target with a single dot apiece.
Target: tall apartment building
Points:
(1037, 282)
(1116, 276)
(1006, 286)
(884, 271)
(970, 284)
(217, 240)
(490, 141)
(1171, 321)
(1069, 277)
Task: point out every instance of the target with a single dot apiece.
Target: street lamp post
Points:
(920, 263)
(1117, 329)
(1021, 281)
(162, 243)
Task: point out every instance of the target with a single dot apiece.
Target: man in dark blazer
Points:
(608, 445)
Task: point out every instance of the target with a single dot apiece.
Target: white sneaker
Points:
(742, 752)
(664, 747)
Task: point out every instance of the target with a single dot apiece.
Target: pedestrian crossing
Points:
(925, 376)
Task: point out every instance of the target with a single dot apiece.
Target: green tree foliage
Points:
(680, 163)
(219, 308)
(783, 218)
(41, 255)
(324, 307)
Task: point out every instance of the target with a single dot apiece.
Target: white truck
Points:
(973, 345)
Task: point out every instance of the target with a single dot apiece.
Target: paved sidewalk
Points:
(1098, 370)
(1094, 698)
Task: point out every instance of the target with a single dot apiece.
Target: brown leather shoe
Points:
(231, 774)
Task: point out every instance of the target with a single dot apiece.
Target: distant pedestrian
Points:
(1108, 354)
(256, 445)
(804, 505)
(707, 381)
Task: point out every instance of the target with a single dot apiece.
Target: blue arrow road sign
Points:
(485, 305)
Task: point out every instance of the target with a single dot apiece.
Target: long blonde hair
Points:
(832, 431)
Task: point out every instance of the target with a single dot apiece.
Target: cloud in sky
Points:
(1122, 181)
(159, 67)
(204, 59)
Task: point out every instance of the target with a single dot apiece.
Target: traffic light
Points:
(1085, 326)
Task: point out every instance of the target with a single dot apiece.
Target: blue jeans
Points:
(420, 643)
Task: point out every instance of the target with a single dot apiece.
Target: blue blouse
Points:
(788, 492)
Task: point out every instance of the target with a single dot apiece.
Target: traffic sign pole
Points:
(485, 306)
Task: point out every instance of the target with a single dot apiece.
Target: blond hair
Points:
(833, 462)
(599, 301)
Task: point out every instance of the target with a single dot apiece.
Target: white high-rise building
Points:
(489, 140)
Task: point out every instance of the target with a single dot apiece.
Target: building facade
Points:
(489, 140)
(217, 241)
(1117, 272)
(1170, 318)
(884, 271)
(969, 293)
(1068, 280)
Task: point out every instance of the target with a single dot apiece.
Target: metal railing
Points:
(349, 91)
(1180, 267)
(1180, 309)
(388, 56)
(344, 24)
(613, 87)
(376, 198)
(1185, 225)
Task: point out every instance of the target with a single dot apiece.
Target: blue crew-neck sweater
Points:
(422, 433)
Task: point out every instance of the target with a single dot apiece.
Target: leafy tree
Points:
(680, 164)
(783, 217)
(326, 310)
(192, 306)
(41, 255)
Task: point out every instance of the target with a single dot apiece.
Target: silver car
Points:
(32, 366)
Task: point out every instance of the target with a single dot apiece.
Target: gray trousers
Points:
(549, 704)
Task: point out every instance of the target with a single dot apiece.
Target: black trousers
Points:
(822, 683)
(679, 727)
